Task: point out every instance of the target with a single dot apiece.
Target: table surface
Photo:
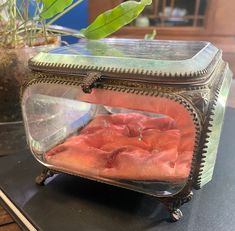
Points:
(6, 222)
(71, 203)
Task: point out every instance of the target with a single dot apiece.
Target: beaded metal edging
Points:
(206, 135)
(66, 68)
(73, 81)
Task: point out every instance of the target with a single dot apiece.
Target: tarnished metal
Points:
(195, 78)
(212, 129)
(203, 93)
(106, 66)
(89, 81)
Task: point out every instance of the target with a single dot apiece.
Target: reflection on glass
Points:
(136, 140)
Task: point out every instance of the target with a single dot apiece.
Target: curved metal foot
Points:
(46, 173)
(173, 205)
(176, 215)
(189, 197)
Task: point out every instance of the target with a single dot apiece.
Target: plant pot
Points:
(13, 69)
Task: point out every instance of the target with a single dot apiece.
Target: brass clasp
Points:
(89, 81)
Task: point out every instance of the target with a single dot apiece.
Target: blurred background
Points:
(211, 20)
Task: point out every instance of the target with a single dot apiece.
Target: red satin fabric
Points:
(130, 146)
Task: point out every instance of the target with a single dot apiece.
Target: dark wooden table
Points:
(6, 222)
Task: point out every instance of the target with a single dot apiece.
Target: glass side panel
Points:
(130, 140)
(51, 119)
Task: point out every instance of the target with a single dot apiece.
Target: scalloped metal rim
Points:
(69, 68)
(73, 81)
(208, 126)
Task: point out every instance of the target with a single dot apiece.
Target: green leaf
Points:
(53, 7)
(112, 20)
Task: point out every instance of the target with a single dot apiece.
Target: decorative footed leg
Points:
(174, 204)
(189, 197)
(46, 173)
(176, 215)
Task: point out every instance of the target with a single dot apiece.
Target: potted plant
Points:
(25, 29)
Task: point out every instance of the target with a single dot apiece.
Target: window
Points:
(171, 13)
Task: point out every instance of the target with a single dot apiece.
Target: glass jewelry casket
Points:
(143, 115)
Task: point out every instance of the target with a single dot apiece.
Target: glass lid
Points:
(146, 57)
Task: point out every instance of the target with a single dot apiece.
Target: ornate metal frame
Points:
(198, 97)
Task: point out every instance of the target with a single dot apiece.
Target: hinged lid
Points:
(139, 59)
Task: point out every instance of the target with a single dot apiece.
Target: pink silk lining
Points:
(130, 146)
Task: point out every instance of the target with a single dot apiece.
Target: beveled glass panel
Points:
(141, 142)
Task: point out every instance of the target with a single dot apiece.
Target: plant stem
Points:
(13, 13)
(52, 30)
(25, 4)
(64, 12)
(44, 30)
